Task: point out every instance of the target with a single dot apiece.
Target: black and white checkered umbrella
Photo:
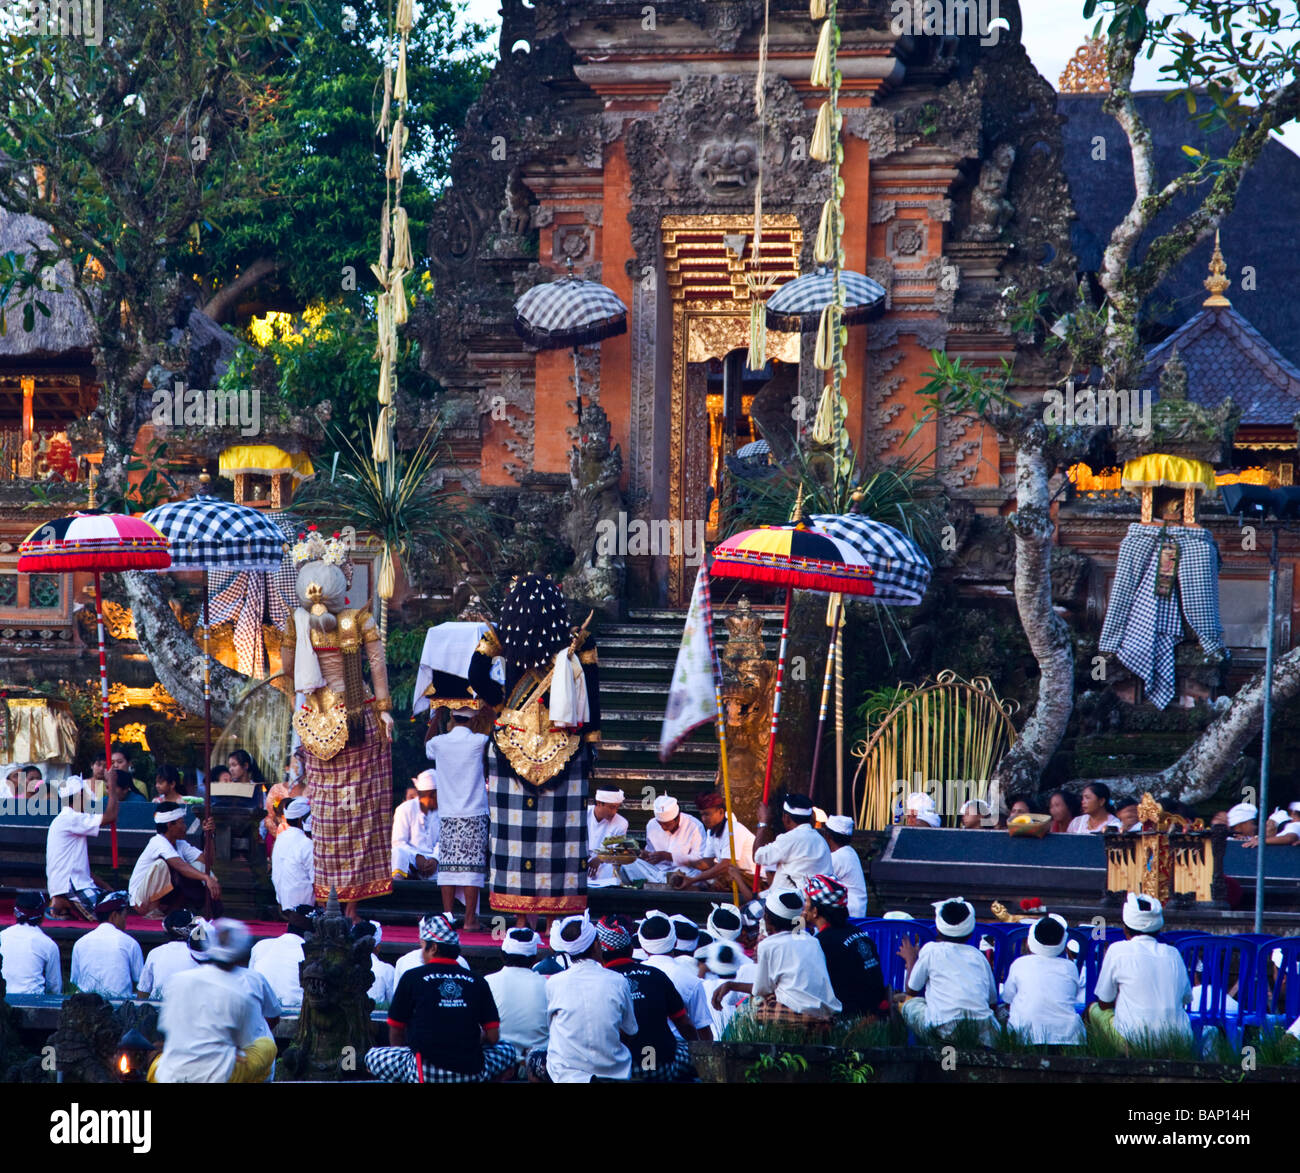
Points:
(208, 534)
(569, 312)
(797, 306)
(902, 572)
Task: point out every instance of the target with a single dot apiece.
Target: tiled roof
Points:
(1226, 356)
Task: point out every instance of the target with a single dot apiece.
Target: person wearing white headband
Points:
(949, 981)
(279, 959)
(293, 862)
(1042, 986)
(520, 992)
(1243, 820)
(417, 827)
(29, 959)
(658, 937)
(603, 822)
(589, 1013)
(713, 868)
(173, 956)
(67, 852)
(799, 852)
(673, 839)
(1280, 831)
(383, 976)
(1143, 989)
(170, 873)
(214, 1028)
(846, 866)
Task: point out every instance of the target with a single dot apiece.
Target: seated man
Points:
(604, 822)
(383, 975)
(293, 862)
(520, 992)
(846, 864)
(799, 852)
(658, 1055)
(952, 974)
(170, 872)
(278, 958)
(106, 960)
(851, 960)
(443, 1025)
(673, 839)
(1143, 989)
(29, 959)
(171, 957)
(713, 867)
(658, 938)
(67, 853)
(214, 1027)
(792, 977)
(1043, 986)
(416, 831)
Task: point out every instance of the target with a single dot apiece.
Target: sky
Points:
(1054, 29)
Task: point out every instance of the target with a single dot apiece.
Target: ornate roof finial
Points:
(1087, 72)
(1217, 282)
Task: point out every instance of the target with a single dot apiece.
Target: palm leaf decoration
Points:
(420, 526)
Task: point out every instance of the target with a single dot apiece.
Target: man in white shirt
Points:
(384, 975)
(170, 873)
(416, 829)
(29, 959)
(520, 993)
(173, 956)
(799, 852)
(1041, 988)
(213, 1025)
(293, 862)
(278, 958)
(1143, 989)
(949, 981)
(673, 839)
(460, 756)
(846, 866)
(713, 867)
(67, 853)
(590, 1015)
(792, 977)
(604, 822)
(658, 938)
(106, 961)
(722, 960)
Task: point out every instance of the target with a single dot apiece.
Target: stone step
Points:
(656, 777)
(687, 748)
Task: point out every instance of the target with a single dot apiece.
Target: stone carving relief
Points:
(991, 211)
(905, 239)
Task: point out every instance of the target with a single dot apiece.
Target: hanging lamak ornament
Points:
(570, 312)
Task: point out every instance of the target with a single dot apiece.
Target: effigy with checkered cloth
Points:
(1143, 628)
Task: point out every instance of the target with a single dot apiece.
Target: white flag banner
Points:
(692, 697)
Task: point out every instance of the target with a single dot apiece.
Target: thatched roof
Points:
(68, 332)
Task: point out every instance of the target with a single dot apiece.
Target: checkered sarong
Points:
(399, 1065)
(665, 1072)
(539, 837)
(351, 802)
(1144, 630)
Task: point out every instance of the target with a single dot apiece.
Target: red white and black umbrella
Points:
(99, 543)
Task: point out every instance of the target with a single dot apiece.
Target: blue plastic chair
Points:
(1277, 996)
(1221, 960)
(887, 935)
(1008, 945)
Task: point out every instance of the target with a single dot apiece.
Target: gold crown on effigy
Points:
(312, 547)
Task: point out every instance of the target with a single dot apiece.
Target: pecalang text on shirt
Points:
(132, 1126)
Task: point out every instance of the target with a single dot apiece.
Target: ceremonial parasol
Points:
(798, 304)
(99, 543)
(797, 557)
(570, 312)
(209, 534)
(902, 574)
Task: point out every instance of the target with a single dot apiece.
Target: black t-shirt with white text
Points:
(655, 1000)
(443, 1008)
(854, 969)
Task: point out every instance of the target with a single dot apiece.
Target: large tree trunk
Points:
(176, 659)
(222, 304)
(1049, 637)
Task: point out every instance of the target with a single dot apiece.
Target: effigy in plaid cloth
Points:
(351, 795)
(402, 1065)
(1142, 628)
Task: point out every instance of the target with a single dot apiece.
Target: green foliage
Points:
(320, 172)
(782, 1063)
(956, 387)
(852, 1069)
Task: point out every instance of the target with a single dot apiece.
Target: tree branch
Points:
(222, 304)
